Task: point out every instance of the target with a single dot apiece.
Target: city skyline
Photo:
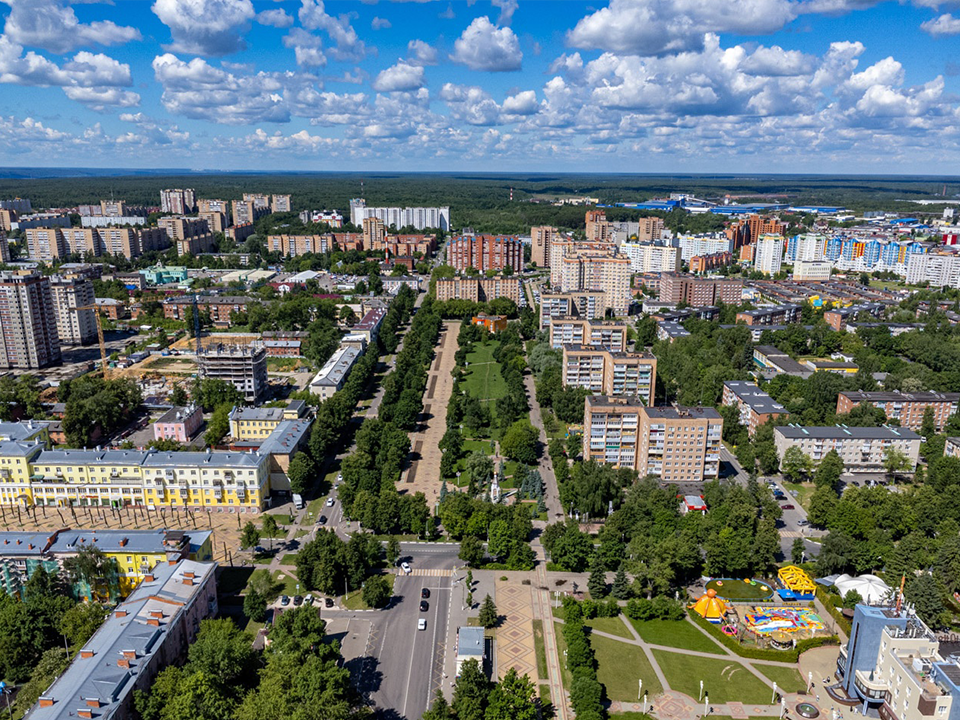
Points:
(630, 86)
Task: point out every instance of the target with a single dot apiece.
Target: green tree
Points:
(597, 584)
(90, 567)
(222, 651)
(470, 692)
(797, 551)
(393, 550)
(520, 442)
(895, 461)
(179, 396)
(852, 599)
(219, 424)
(250, 536)
(621, 585)
(255, 606)
(301, 472)
(488, 613)
(829, 470)
(823, 503)
(796, 464)
(513, 698)
(79, 623)
(928, 427)
(440, 710)
(471, 551)
(376, 591)
(925, 594)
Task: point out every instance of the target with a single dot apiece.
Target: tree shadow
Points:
(366, 674)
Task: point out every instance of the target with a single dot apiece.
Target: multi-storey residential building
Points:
(178, 423)
(862, 449)
(259, 200)
(935, 269)
(569, 248)
(247, 211)
(322, 217)
(374, 233)
(776, 315)
(214, 206)
(693, 245)
(597, 227)
(611, 427)
(699, 292)
(333, 375)
(28, 325)
(293, 245)
(671, 331)
(4, 247)
(768, 254)
(588, 304)
(191, 236)
(809, 247)
(98, 221)
(220, 307)
(952, 447)
(216, 221)
(837, 318)
(45, 244)
(245, 367)
(420, 218)
(649, 229)
(584, 269)
(647, 258)
(20, 205)
(74, 327)
(280, 203)
(610, 373)
(259, 423)
(48, 244)
(703, 263)
(755, 406)
(179, 202)
(812, 270)
(149, 632)
(541, 238)
(906, 407)
(581, 331)
(485, 252)
(774, 360)
(395, 246)
(478, 289)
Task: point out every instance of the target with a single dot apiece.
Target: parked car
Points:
(424, 606)
(787, 507)
(425, 593)
(330, 502)
(328, 602)
(802, 522)
(322, 520)
(298, 600)
(308, 600)
(285, 600)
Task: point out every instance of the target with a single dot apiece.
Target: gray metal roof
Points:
(286, 437)
(256, 413)
(18, 544)
(337, 367)
(860, 396)
(755, 398)
(19, 431)
(470, 642)
(668, 412)
(843, 432)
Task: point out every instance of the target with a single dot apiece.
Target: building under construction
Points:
(243, 366)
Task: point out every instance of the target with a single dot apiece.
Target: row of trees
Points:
(505, 528)
(567, 403)
(476, 698)
(96, 405)
(586, 693)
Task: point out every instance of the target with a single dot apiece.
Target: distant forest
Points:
(482, 201)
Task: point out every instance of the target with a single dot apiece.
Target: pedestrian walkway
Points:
(420, 572)
(516, 646)
(541, 595)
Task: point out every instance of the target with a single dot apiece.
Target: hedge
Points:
(828, 602)
(755, 653)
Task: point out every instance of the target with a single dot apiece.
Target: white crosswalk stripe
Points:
(429, 573)
(790, 534)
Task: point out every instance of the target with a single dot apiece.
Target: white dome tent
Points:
(871, 588)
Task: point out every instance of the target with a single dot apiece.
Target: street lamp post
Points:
(774, 698)
(706, 705)
(640, 690)
(701, 691)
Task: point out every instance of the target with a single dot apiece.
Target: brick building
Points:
(699, 292)
(485, 252)
(906, 407)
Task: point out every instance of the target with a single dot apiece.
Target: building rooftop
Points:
(177, 414)
(668, 412)
(286, 437)
(19, 431)
(337, 367)
(755, 398)
(607, 401)
(266, 414)
(67, 540)
(861, 396)
(470, 642)
(884, 432)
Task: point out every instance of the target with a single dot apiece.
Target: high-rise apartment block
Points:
(646, 258)
(259, 200)
(214, 206)
(692, 246)
(934, 269)
(180, 202)
(374, 233)
(580, 331)
(674, 444)
(4, 247)
(699, 292)
(541, 238)
(478, 289)
(293, 245)
(420, 218)
(19, 205)
(485, 252)
(905, 407)
(248, 210)
(593, 270)
(603, 372)
(243, 366)
(597, 227)
(191, 236)
(280, 203)
(74, 327)
(649, 229)
(587, 304)
(51, 243)
(768, 254)
(28, 324)
(808, 246)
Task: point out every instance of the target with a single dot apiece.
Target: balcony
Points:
(869, 686)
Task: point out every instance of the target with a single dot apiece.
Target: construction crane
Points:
(196, 326)
(103, 345)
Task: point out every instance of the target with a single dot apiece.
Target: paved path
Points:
(551, 494)
(541, 597)
(515, 642)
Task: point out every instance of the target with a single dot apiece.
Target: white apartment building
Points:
(75, 327)
(178, 201)
(418, 217)
(935, 270)
(645, 258)
(587, 270)
(812, 270)
(768, 254)
(809, 246)
(580, 331)
(862, 449)
(694, 245)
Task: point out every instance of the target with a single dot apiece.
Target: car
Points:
(297, 600)
(425, 593)
(405, 567)
(308, 600)
(802, 522)
(285, 600)
(322, 520)
(787, 507)
(424, 606)
(339, 477)
(422, 624)
(328, 602)
(330, 502)
(855, 483)
(259, 550)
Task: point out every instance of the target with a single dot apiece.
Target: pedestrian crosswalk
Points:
(790, 534)
(420, 572)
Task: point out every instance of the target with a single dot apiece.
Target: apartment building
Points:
(935, 270)
(216, 221)
(768, 254)
(692, 245)
(74, 327)
(952, 448)
(699, 292)
(334, 373)
(837, 318)
(594, 333)
(244, 367)
(374, 233)
(50, 243)
(293, 245)
(906, 407)
(671, 331)
(221, 207)
(776, 315)
(420, 218)
(220, 307)
(649, 229)
(597, 228)
(647, 258)
(152, 630)
(259, 423)
(280, 203)
(397, 246)
(248, 211)
(812, 270)
(588, 304)
(178, 423)
(485, 252)
(28, 324)
(862, 449)
(541, 238)
(191, 236)
(703, 263)
(564, 248)
(603, 372)
(478, 289)
(755, 406)
(177, 201)
(4, 247)
(809, 247)
(774, 360)
(322, 217)
(593, 270)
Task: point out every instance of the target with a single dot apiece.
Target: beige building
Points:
(862, 449)
(216, 221)
(74, 327)
(595, 333)
(280, 203)
(478, 289)
(214, 206)
(374, 233)
(588, 304)
(650, 229)
(646, 258)
(293, 245)
(603, 372)
(583, 269)
(28, 333)
(178, 201)
(191, 236)
(541, 238)
(48, 244)
(597, 227)
(812, 270)
(246, 211)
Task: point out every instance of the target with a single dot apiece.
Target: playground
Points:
(777, 621)
(732, 589)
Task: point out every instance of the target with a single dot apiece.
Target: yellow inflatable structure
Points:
(710, 607)
(796, 580)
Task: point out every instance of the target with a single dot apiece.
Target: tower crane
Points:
(103, 345)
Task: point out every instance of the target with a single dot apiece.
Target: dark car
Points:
(285, 600)
(328, 602)
(322, 520)
(787, 507)
(298, 600)
(425, 593)
(424, 606)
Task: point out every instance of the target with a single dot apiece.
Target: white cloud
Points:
(777, 61)
(52, 25)
(470, 104)
(507, 9)
(329, 108)
(379, 23)
(274, 18)
(653, 27)
(205, 27)
(102, 99)
(447, 14)
(523, 103)
(943, 26)
(420, 53)
(307, 48)
(347, 44)
(484, 46)
(399, 77)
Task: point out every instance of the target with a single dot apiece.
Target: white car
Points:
(405, 567)
(339, 477)
(421, 624)
(330, 502)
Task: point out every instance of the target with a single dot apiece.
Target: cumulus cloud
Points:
(53, 25)
(307, 48)
(507, 9)
(420, 53)
(399, 77)
(484, 46)
(206, 27)
(777, 61)
(346, 43)
(943, 26)
(523, 103)
(470, 104)
(379, 23)
(102, 99)
(274, 18)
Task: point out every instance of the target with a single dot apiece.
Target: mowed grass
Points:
(787, 677)
(620, 666)
(723, 680)
(482, 378)
(676, 633)
(804, 493)
(611, 626)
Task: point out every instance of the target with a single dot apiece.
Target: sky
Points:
(732, 86)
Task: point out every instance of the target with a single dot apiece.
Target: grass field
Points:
(723, 680)
(483, 379)
(289, 559)
(561, 648)
(289, 584)
(620, 666)
(611, 626)
(804, 492)
(541, 649)
(787, 677)
(675, 633)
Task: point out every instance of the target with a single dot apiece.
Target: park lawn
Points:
(482, 378)
(787, 677)
(289, 559)
(541, 649)
(545, 694)
(611, 626)
(561, 649)
(804, 492)
(354, 600)
(724, 680)
(620, 665)
(289, 583)
(676, 633)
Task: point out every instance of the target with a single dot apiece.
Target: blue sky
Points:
(503, 85)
